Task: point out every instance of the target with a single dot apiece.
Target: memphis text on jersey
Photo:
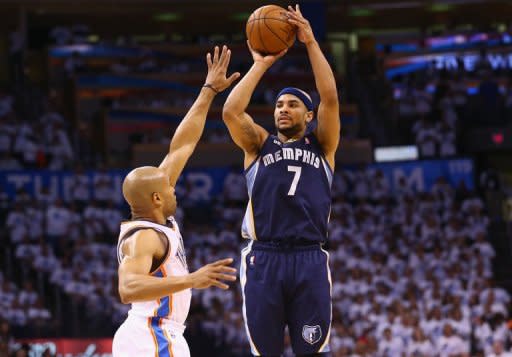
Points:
(294, 154)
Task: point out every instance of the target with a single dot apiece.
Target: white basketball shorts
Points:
(152, 337)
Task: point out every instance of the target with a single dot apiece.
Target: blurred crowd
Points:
(33, 144)
(415, 273)
(439, 107)
(411, 271)
(433, 107)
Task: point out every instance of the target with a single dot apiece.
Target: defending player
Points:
(284, 273)
(153, 274)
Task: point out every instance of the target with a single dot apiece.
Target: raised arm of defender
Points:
(248, 135)
(328, 116)
(191, 127)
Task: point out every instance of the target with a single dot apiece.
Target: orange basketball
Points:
(268, 30)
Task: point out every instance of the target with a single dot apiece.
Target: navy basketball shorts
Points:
(286, 286)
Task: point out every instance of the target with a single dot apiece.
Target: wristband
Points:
(208, 85)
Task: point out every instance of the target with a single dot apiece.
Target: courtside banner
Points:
(70, 347)
(198, 184)
(468, 61)
(202, 185)
(102, 51)
(422, 175)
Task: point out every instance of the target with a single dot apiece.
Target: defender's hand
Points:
(267, 60)
(217, 69)
(211, 274)
(304, 30)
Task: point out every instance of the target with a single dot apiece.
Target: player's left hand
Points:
(304, 30)
(268, 59)
(218, 68)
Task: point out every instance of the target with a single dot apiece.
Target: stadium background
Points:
(420, 231)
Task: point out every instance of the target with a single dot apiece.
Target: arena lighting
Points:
(440, 7)
(93, 38)
(396, 153)
(501, 27)
(394, 5)
(497, 138)
(461, 2)
(360, 12)
(240, 16)
(167, 17)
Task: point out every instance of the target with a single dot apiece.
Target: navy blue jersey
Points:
(289, 188)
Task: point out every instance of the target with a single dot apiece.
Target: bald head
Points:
(141, 185)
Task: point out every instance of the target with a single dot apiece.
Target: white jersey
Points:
(155, 328)
(174, 307)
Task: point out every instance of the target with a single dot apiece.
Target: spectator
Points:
(427, 138)
(61, 35)
(451, 344)
(446, 137)
(7, 343)
(234, 186)
(103, 186)
(498, 350)
(57, 223)
(27, 296)
(80, 187)
(74, 64)
(390, 346)
(420, 345)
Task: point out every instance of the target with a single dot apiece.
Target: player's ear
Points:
(309, 116)
(156, 199)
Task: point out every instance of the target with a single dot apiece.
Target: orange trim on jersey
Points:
(155, 312)
(164, 273)
(161, 266)
(154, 336)
(169, 344)
(158, 301)
(155, 340)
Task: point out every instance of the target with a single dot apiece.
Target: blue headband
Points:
(298, 93)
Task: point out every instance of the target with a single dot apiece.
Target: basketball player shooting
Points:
(284, 271)
(153, 274)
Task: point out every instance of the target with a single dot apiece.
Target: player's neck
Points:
(156, 217)
(293, 137)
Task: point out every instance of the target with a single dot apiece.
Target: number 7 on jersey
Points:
(296, 170)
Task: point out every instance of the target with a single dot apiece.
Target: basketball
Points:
(268, 30)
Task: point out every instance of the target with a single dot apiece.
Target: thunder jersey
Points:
(174, 307)
(289, 187)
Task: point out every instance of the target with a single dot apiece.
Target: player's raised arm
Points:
(328, 128)
(248, 135)
(191, 127)
(136, 284)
